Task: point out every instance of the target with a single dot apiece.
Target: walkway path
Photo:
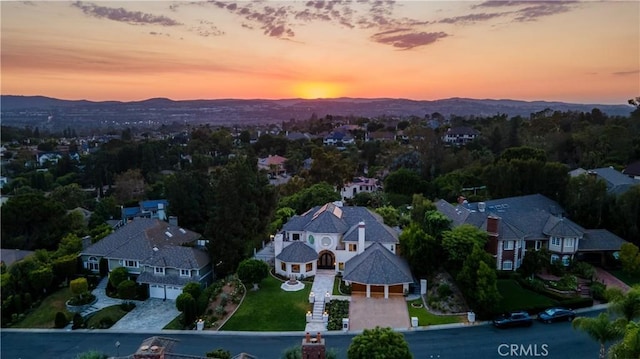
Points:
(322, 285)
(610, 280)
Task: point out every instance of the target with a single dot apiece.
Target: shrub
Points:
(192, 288)
(86, 298)
(78, 321)
(79, 286)
(106, 322)
(219, 354)
(224, 298)
(61, 320)
(598, 290)
(337, 310)
(220, 310)
(127, 289)
(118, 276)
(444, 290)
(127, 306)
(583, 270)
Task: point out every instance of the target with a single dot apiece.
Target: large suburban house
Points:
(338, 138)
(350, 240)
(274, 165)
(516, 225)
(616, 181)
(164, 256)
(460, 135)
(358, 185)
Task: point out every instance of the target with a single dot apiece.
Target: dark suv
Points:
(513, 319)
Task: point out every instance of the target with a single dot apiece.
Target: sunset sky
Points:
(574, 51)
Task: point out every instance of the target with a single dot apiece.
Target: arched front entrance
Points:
(326, 260)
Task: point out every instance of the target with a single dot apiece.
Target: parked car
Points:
(556, 315)
(513, 319)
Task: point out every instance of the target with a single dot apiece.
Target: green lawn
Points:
(114, 312)
(514, 297)
(271, 309)
(44, 315)
(426, 318)
(336, 285)
(628, 279)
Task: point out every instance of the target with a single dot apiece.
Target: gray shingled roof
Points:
(526, 214)
(600, 240)
(151, 278)
(297, 252)
(561, 227)
(137, 239)
(377, 266)
(327, 222)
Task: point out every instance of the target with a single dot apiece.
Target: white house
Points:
(350, 240)
(358, 185)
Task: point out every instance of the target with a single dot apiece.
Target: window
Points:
(507, 245)
(283, 266)
(538, 245)
(341, 266)
(132, 264)
(159, 270)
(295, 268)
(93, 264)
(353, 247)
(185, 273)
(566, 260)
(507, 265)
(555, 241)
(309, 267)
(296, 236)
(568, 242)
(393, 249)
(554, 258)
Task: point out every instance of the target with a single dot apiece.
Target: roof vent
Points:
(155, 249)
(482, 206)
(144, 347)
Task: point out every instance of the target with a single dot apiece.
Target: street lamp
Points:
(117, 348)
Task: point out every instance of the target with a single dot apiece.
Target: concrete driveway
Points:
(367, 313)
(152, 314)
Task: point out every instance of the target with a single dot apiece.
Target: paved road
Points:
(482, 341)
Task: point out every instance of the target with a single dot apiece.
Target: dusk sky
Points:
(573, 51)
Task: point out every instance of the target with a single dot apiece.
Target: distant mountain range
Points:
(230, 111)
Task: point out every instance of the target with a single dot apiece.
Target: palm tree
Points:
(600, 329)
(627, 305)
(629, 347)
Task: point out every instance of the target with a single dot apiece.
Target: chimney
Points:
(161, 214)
(481, 206)
(360, 237)
(313, 348)
(492, 225)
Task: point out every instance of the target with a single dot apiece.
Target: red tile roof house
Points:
(274, 165)
(163, 256)
(516, 225)
(350, 240)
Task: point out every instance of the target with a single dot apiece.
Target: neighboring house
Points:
(274, 165)
(146, 209)
(380, 136)
(10, 256)
(516, 225)
(617, 182)
(49, 157)
(298, 136)
(460, 135)
(339, 139)
(358, 185)
(164, 256)
(3, 181)
(350, 240)
(85, 213)
(633, 170)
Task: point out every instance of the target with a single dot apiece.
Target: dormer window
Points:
(185, 273)
(159, 270)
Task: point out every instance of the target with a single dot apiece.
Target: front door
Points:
(326, 260)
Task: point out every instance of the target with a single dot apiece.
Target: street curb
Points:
(288, 334)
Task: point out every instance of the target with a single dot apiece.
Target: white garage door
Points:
(173, 292)
(156, 291)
